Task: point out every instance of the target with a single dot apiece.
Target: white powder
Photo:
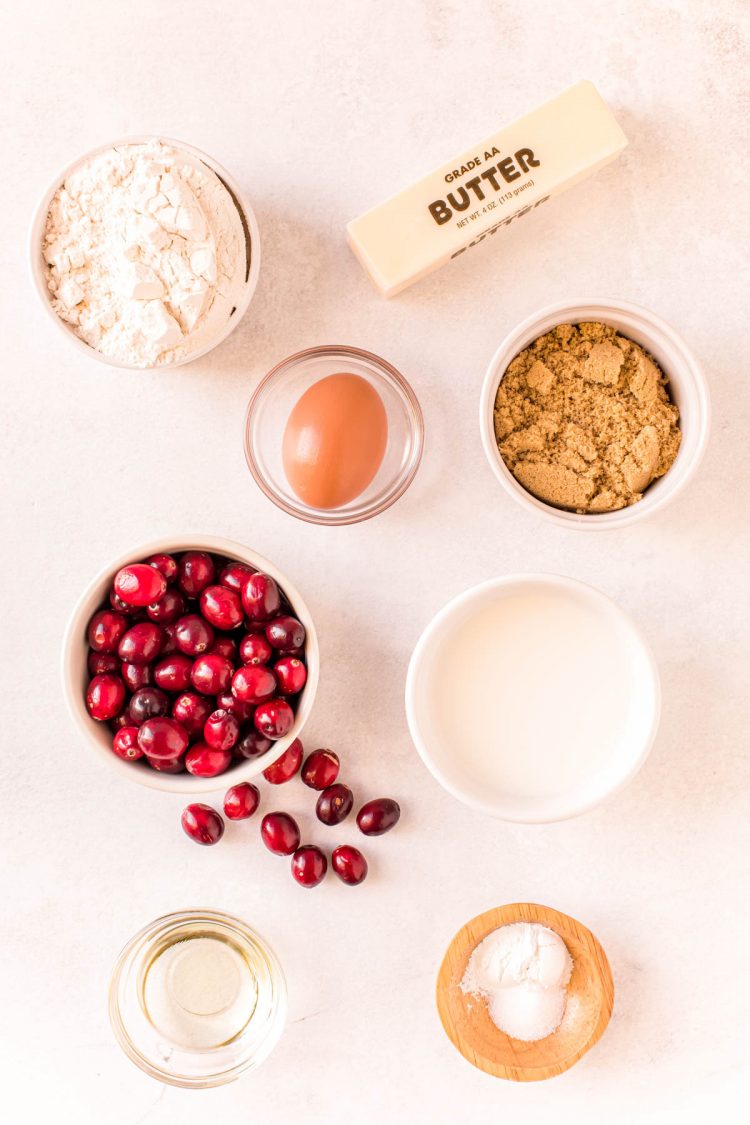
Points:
(522, 971)
(146, 253)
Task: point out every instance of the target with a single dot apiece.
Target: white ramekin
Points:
(75, 672)
(445, 764)
(687, 388)
(249, 223)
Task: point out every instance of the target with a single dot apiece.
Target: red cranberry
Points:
(253, 683)
(166, 564)
(285, 768)
(205, 761)
(309, 865)
(191, 711)
(321, 769)
(349, 864)
(122, 607)
(197, 571)
(135, 675)
(100, 663)
(221, 730)
(222, 607)
(234, 575)
(141, 644)
(243, 712)
(225, 646)
(105, 630)
(162, 739)
(202, 824)
(172, 673)
(140, 584)
(194, 636)
(122, 720)
(274, 718)
(169, 609)
(125, 744)
(260, 597)
(285, 633)
(241, 801)
(291, 675)
(280, 833)
(176, 765)
(378, 816)
(211, 674)
(334, 804)
(255, 649)
(169, 642)
(147, 703)
(252, 745)
(104, 697)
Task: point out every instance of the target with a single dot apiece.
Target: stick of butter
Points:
(486, 188)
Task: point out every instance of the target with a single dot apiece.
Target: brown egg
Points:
(334, 440)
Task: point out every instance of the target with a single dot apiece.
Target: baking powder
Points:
(146, 253)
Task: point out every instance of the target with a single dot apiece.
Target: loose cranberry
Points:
(169, 642)
(255, 649)
(253, 683)
(193, 635)
(162, 739)
(104, 697)
(105, 630)
(234, 575)
(260, 597)
(221, 730)
(274, 718)
(140, 584)
(222, 607)
(147, 703)
(349, 864)
(122, 720)
(176, 765)
(321, 769)
(141, 644)
(280, 833)
(197, 571)
(252, 745)
(100, 663)
(202, 824)
(122, 607)
(211, 674)
(191, 711)
(287, 765)
(378, 816)
(291, 675)
(173, 672)
(205, 761)
(166, 564)
(243, 712)
(309, 866)
(285, 633)
(125, 744)
(241, 801)
(169, 609)
(135, 675)
(225, 646)
(334, 804)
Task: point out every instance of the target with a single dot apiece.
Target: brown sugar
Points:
(583, 419)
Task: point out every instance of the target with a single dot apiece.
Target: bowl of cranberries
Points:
(190, 666)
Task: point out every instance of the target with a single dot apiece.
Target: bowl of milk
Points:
(532, 698)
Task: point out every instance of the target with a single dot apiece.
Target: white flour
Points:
(145, 252)
(522, 971)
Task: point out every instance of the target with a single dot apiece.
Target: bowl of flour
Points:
(145, 253)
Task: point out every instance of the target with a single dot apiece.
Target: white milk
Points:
(200, 992)
(531, 692)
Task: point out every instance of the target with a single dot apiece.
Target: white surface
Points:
(319, 111)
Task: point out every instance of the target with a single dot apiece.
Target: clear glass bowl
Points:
(272, 403)
(153, 1049)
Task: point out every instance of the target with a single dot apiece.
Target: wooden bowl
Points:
(466, 1019)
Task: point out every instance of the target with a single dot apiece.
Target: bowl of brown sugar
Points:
(594, 413)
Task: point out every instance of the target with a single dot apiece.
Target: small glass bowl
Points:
(276, 395)
(176, 1064)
